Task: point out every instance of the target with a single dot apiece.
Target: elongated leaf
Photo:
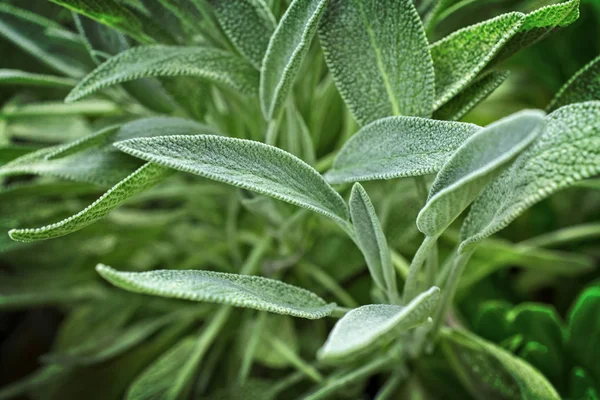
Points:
(371, 238)
(398, 147)
(583, 330)
(249, 24)
(285, 52)
(22, 78)
(489, 372)
(213, 65)
(247, 164)
(583, 86)
(375, 325)
(378, 55)
(562, 155)
(33, 381)
(216, 287)
(473, 165)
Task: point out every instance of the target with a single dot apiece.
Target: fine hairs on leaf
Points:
(583, 86)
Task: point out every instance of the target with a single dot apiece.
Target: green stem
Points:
(329, 283)
(422, 190)
(389, 388)
(284, 350)
(412, 286)
(251, 347)
(431, 267)
(562, 236)
(339, 312)
(252, 262)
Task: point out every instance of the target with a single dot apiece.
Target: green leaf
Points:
(247, 164)
(22, 78)
(472, 167)
(459, 57)
(489, 372)
(583, 86)
(249, 24)
(581, 385)
(375, 325)
(397, 147)
(213, 65)
(562, 155)
(287, 48)
(378, 55)
(371, 239)
(582, 333)
(217, 287)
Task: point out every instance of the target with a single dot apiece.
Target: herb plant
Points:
(297, 199)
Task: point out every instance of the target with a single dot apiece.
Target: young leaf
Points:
(583, 86)
(22, 78)
(247, 164)
(472, 167)
(378, 55)
(489, 372)
(375, 325)
(217, 287)
(213, 65)
(249, 24)
(371, 240)
(397, 147)
(562, 155)
(287, 47)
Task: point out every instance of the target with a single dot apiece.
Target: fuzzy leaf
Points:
(213, 65)
(287, 48)
(472, 167)
(216, 287)
(244, 163)
(583, 86)
(563, 154)
(378, 55)
(22, 78)
(375, 325)
(249, 24)
(371, 238)
(396, 147)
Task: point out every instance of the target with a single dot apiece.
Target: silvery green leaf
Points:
(244, 163)
(371, 239)
(213, 65)
(249, 24)
(217, 287)
(583, 86)
(375, 325)
(22, 78)
(378, 55)
(562, 155)
(397, 147)
(287, 47)
(473, 165)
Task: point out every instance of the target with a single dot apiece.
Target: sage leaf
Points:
(583, 323)
(397, 147)
(378, 55)
(213, 65)
(490, 372)
(244, 163)
(22, 78)
(287, 48)
(583, 86)
(375, 325)
(472, 167)
(371, 239)
(562, 155)
(249, 24)
(217, 287)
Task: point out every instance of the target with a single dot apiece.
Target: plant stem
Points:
(284, 350)
(252, 262)
(339, 312)
(388, 389)
(412, 286)
(562, 236)
(251, 347)
(402, 266)
(431, 267)
(329, 283)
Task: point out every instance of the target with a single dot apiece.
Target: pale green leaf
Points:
(249, 24)
(398, 147)
(583, 86)
(375, 325)
(562, 155)
(247, 164)
(213, 65)
(22, 78)
(287, 47)
(216, 287)
(490, 372)
(378, 55)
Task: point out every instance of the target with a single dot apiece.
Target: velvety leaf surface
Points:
(583, 86)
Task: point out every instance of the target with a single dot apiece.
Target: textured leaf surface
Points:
(246, 164)
(378, 55)
(563, 154)
(490, 372)
(472, 167)
(285, 52)
(583, 86)
(249, 24)
(213, 65)
(216, 287)
(396, 147)
(367, 327)
(22, 78)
